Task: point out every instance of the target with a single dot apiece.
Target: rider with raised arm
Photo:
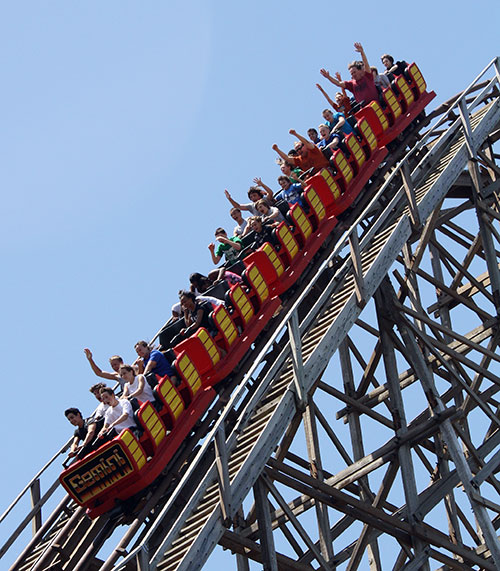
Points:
(309, 156)
(362, 84)
(115, 361)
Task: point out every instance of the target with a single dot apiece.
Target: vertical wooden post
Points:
(357, 448)
(269, 560)
(384, 310)
(316, 468)
(36, 522)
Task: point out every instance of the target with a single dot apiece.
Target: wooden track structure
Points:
(363, 430)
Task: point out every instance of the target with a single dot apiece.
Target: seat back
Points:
(369, 140)
(301, 222)
(419, 84)
(169, 396)
(225, 326)
(151, 423)
(376, 118)
(315, 203)
(190, 376)
(268, 262)
(357, 153)
(344, 169)
(256, 280)
(209, 345)
(393, 109)
(289, 245)
(242, 304)
(405, 91)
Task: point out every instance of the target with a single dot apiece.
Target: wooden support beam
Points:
(269, 560)
(239, 544)
(379, 519)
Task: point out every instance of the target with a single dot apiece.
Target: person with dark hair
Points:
(177, 311)
(136, 386)
(392, 69)
(269, 214)
(228, 247)
(115, 361)
(254, 194)
(289, 171)
(98, 414)
(152, 361)
(313, 135)
(119, 415)
(263, 232)
(292, 193)
(84, 432)
(309, 157)
(199, 283)
(196, 315)
(362, 84)
(381, 81)
(336, 122)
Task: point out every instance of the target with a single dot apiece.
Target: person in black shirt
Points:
(196, 315)
(393, 69)
(85, 431)
(263, 232)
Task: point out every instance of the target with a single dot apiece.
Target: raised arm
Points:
(231, 200)
(215, 259)
(97, 371)
(359, 48)
(327, 97)
(326, 74)
(302, 139)
(283, 155)
(339, 78)
(267, 190)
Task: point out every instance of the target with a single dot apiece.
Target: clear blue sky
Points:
(122, 123)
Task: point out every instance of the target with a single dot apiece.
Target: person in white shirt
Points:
(98, 414)
(241, 229)
(136, 386)
(119, 415)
